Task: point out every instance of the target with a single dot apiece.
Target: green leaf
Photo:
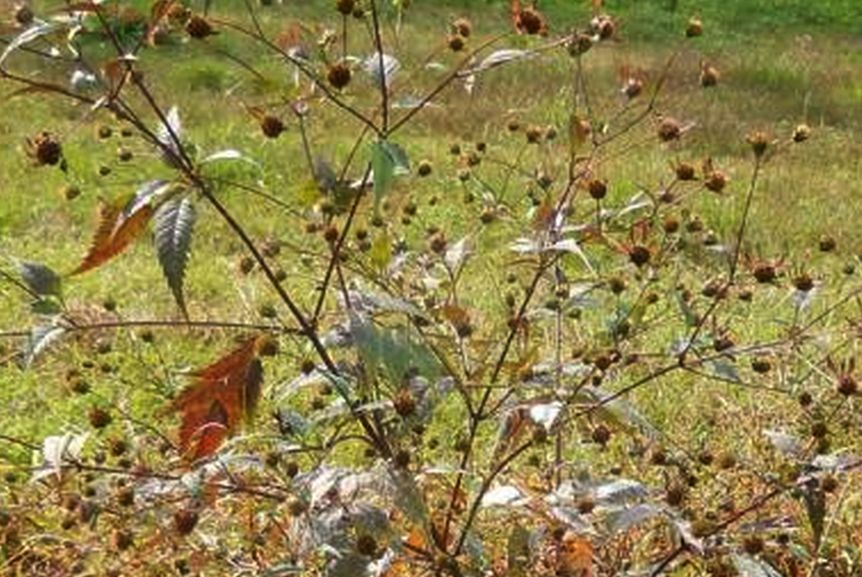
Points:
(381, 251)
(40, 279)
(387, 161)
(174, 225)
(395, 350)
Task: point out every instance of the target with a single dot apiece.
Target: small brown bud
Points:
(271, 126)
(199, 28)
(185, 521)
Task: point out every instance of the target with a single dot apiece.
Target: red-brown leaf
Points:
(222, 394)
(116, 231)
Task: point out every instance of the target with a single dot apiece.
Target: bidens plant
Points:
(462, 344)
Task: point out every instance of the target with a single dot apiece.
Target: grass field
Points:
(781, 63)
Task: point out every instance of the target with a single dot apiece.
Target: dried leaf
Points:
(222, 394)
(120, 224)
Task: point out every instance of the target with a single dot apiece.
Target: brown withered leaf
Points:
(119, 225)
(575, 557)
(220, 397)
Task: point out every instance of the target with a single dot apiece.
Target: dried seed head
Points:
(246, 264)
(670, 225)
(829, 484)
(424, 168)
(580, 44)
(462, 27)
(847, 385)
(185, 521)
(531, 21)
(805, 399)
(339, 75)
(639, 255)
(601, 435)
(761, 365)
(47, 150)
(633, 87)
(199, 28)
(404, 403)
(271, 126)
(456, 42)
(402, 459)
(709, 76)
(438, 243)
(551, 133)
(684, 171)
(99, 418)
(803, 282)
(346, 7)
(819, 430)
(764, 273)
(71, 192)
(753, 545)
(715, 181)
(694, 28)
(826, 243)
(105, 132)
(598, 188)
(533, 134)
(759, 142)
(366, 545)
(603, 26)
(669, 129)
(801, 133)
(267, 347)
(23, 15)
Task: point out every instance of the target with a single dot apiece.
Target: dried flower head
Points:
(801, 133)
(199, 28)
(345, 7)
(462, 27)
(339, 75)
(669, 129)
(45, 149)
(271, 126)
(531, 21)
(456, 42)
(709, 76)
(694, 28)
(580, 44)
(633, 87)
(759, 142)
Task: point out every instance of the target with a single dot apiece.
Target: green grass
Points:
(782, 63)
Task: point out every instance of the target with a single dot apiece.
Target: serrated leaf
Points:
(174, 226)
(387, 160)
(41, 337)
(221, 396)
(39, 278)
(120, 224)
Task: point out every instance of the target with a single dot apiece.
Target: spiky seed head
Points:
(339, 75)
(199, 27)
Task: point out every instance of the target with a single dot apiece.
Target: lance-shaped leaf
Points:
(120, 224)
(221, 395)
(39, 278)
(174, 225)
(387, 161)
